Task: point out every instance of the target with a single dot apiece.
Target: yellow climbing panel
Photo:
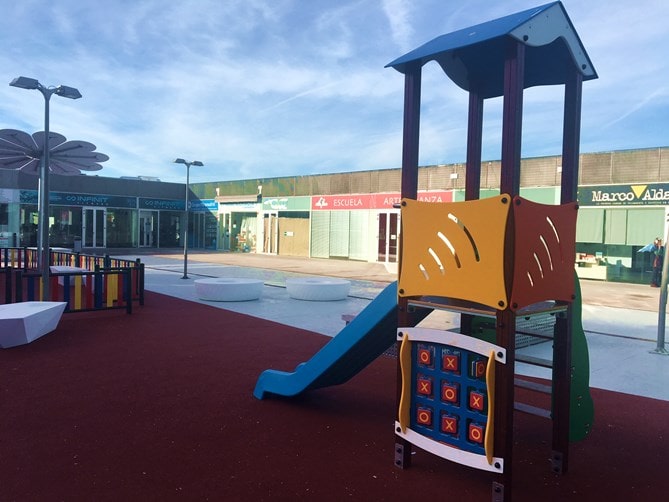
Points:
(455, 250)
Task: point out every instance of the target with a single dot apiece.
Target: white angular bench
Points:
(319, 289)
(60, 269)
(24, 322)
(228, 289)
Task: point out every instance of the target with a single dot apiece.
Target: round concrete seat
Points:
(228, 289)
(318, 289)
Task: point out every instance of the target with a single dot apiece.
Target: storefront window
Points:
(29, 219)
(65, 225)
(244, 232)
(6, 239)
(210, 231)
(170, 229)
(121, 228)
(4, 217)
(203, 230)
(609, 243)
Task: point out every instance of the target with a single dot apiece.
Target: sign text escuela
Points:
(652, 194)
(371, 201)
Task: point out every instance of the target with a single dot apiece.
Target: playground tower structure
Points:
(502, 259)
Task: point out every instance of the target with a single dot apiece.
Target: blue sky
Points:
(266, 88)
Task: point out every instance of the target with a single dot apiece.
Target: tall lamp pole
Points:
(187, 164)
(43, 258)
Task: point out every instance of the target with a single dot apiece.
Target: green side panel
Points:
(581, 406)
(484, 329)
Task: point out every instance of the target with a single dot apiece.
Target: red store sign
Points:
(372, 201)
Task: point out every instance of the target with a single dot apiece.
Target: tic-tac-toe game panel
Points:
(448, 389)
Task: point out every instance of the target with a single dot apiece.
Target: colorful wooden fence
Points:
(101, 283)
(21, 258)
(82, 291)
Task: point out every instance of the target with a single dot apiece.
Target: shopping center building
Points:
(353, 215)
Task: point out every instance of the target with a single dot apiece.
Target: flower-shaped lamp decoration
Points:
(20, 150)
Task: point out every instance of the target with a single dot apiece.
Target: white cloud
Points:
(398, 14)
(258, 88)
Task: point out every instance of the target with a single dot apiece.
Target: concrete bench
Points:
(318, 289)
(228, 289)
(24, 322)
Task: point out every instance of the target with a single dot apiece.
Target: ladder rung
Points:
(539, 387)
(537, 361)
(536, 335)
(532, 410)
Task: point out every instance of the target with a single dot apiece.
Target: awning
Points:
(236, 199)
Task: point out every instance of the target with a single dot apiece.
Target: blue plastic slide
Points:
(364, 339)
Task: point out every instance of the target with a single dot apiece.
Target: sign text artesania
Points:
(372, 201)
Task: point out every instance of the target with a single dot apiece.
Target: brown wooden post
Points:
(561, 392)
(410, 142)
(474, 141)
(410, 148)
(514, 70)
(563, 327)
(514, 74)
(504, 403)
(571, 136)
(473, 170)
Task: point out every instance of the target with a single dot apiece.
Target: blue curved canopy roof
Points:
(474, 57)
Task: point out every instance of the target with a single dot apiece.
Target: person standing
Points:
(658, 259)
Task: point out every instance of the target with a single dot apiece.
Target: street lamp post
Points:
(43, 258)
(187, 164)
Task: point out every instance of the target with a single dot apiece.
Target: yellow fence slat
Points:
(112, 289)
(78, 292)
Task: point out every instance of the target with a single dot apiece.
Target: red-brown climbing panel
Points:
(545, 250)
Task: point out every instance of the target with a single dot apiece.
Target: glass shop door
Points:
(94, 227)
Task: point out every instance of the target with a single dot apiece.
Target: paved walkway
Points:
(620, 320)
